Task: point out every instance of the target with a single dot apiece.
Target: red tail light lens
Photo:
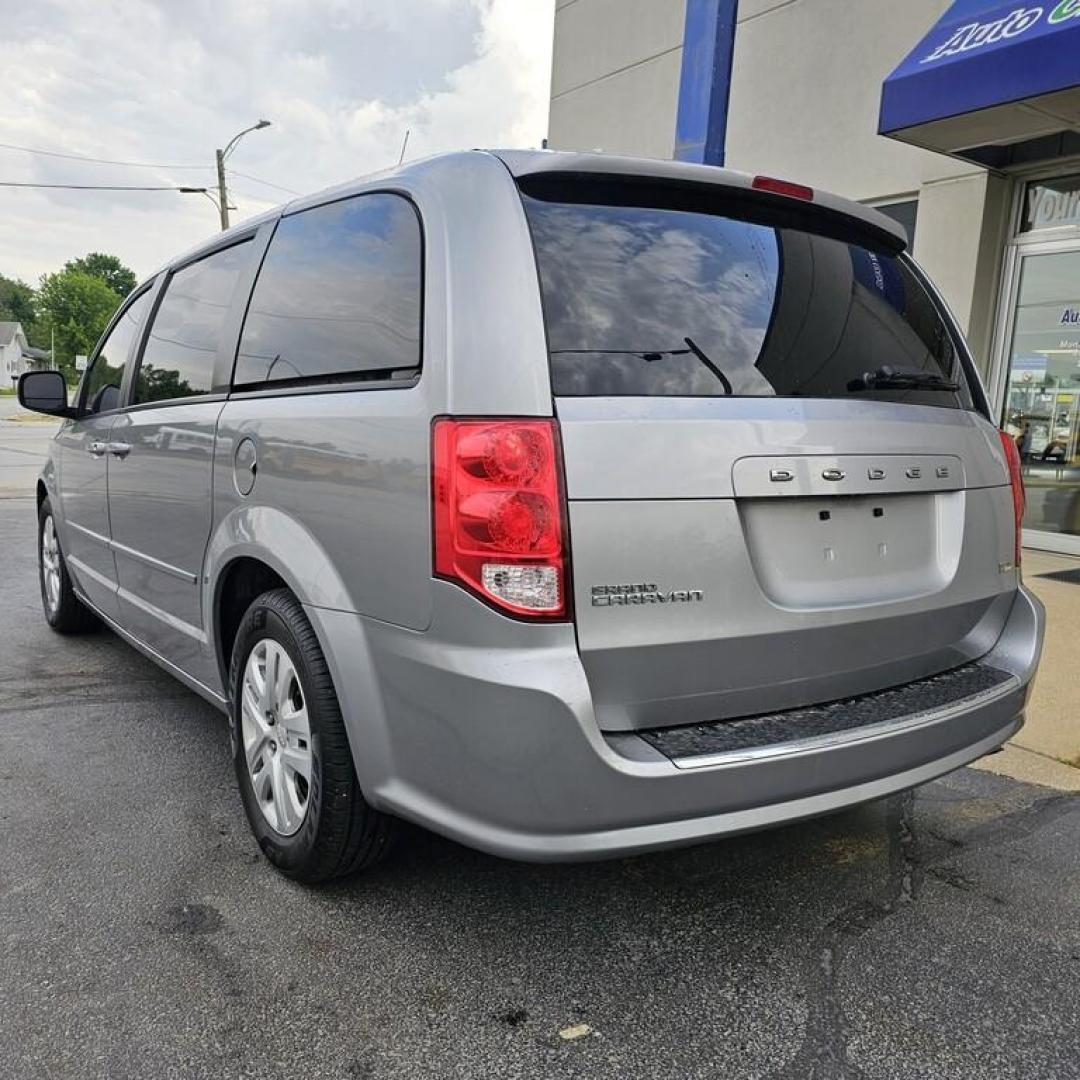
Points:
(783, 187)
(1016, 479)
(499, 517)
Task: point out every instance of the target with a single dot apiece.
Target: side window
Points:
(181, 351)
(101, 388)
(338, 296)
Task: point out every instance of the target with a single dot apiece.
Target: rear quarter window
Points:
(338, 296)
(654, 300)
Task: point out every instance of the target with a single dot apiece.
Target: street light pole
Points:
(219, 158)
(223, 195)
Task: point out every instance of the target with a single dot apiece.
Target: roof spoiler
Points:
(702, 188)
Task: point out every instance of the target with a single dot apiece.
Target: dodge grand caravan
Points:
(567, 505)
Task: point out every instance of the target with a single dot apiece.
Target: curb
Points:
(1030, 767)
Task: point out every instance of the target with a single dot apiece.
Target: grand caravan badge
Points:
(636, 595)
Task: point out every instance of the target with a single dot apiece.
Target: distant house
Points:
(17, 354)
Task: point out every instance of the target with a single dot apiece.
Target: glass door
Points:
(1042, 392)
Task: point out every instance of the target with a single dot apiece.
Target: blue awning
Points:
(1022, 58)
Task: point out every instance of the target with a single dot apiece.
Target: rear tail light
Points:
(499, 513)
(1016, 479)
(783, 187)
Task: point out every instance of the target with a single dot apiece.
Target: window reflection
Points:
(649, 301)
(338, 294)
(181, 350)
(103, 380)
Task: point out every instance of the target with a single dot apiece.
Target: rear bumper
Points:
(496, 745)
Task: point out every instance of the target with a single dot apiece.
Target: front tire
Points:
(291, 751)
(64, 612)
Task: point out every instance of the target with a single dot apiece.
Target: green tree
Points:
(108, 268)
(16, 302)
(76, 307)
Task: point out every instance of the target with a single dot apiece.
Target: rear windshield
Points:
(661, 300)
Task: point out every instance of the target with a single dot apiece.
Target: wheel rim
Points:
(276, 736)
(50, 565)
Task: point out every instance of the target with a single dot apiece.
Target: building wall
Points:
(806, 86)
(960, 241)
(10, 358)
(615, 75)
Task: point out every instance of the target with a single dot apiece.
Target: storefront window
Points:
(1051, 204)
(1041, 408)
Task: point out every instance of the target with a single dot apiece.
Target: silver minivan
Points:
(567, 505)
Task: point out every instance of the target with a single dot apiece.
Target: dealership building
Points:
(960, 120)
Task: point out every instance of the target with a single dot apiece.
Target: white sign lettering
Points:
(975, 35)
(1049, 209)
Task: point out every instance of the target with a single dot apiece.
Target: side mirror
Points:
(45, 392)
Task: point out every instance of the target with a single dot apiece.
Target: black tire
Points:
(69, 615)
(340, 833)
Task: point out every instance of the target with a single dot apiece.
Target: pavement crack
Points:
(905, 869)
(824, 1051)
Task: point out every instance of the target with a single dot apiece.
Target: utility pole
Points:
(219, 158)
(223, 195)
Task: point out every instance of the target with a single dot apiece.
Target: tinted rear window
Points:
(338, 296)
(648, 300)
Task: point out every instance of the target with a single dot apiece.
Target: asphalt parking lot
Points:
(142, 934)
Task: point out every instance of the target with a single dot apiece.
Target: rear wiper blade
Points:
(889, 378)
(697, 351)
(651, 356)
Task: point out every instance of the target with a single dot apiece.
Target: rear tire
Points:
(291, 751)
(64, 611)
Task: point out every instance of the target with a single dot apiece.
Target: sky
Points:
(165, 82)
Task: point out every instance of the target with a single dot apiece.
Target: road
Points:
(23, 443)
(143, 935)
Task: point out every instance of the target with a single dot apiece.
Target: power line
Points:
(141, 164)
(248, 176)
(100, 161)
(103, 187)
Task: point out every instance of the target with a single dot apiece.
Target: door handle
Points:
(96, 449)
(118, 449)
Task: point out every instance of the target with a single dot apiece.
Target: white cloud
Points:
(166, 82)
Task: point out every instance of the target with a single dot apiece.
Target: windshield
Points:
(649, 300)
